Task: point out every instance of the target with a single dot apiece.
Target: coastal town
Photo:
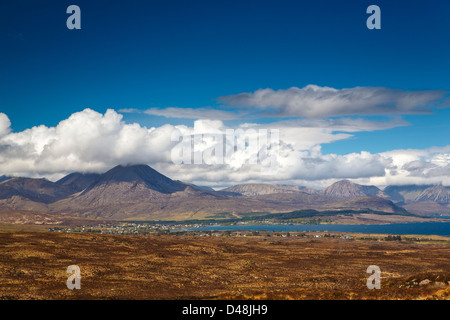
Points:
(203, 230)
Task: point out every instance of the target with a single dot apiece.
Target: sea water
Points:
(424, 228)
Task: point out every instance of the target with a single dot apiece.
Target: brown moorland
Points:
(33, 266)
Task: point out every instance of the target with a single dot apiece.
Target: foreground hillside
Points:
(33, 266)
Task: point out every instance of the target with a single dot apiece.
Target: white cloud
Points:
(91, 141)
(416, 166)
(5, 124)
(86, 141)
(318, 102)
(186, 113)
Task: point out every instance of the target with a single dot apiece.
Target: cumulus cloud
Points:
(86, 141)
(89, 141)
(5, 124)
(416, 166)
(318, 102)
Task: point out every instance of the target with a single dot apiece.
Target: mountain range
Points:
(138, 192)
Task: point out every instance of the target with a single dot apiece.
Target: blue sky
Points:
(186, 54)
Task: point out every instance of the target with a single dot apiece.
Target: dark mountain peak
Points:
(133, 173)
(27, 182)
(40, 190)
(138, 174)
(74, 176)
(130, 173)
(77, 181)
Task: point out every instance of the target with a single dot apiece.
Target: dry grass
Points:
(33, 266)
